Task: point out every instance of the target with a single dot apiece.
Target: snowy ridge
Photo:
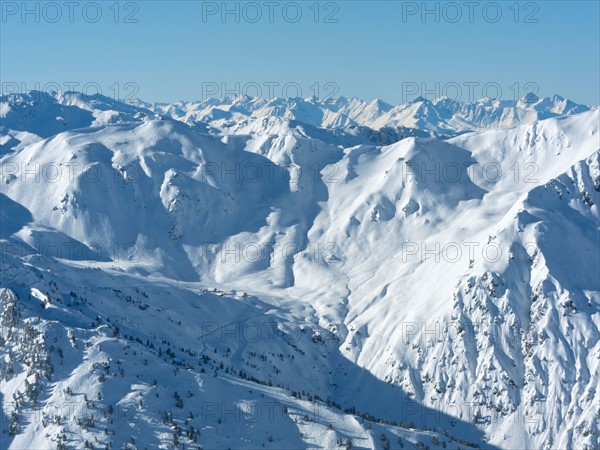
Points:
(26, 117)
(443, 115)
(387, 317)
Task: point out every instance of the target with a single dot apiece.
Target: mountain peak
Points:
(420, 99)
(380, 105)
(530, 98)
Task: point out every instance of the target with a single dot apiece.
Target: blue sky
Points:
(187, 50)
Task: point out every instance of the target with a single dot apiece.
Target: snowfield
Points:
(299, 273)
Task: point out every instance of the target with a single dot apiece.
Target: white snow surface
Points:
(241, 273)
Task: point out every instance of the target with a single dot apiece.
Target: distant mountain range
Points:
(442, 116)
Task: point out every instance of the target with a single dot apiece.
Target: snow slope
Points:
(415, 294)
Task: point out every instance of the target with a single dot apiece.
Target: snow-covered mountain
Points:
(33, 115)
(443, 116)
(296, 273)
(28, 117)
